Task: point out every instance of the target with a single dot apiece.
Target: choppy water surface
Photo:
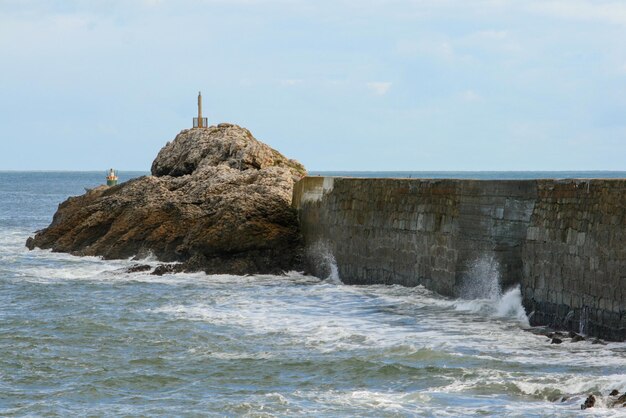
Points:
(80, 336)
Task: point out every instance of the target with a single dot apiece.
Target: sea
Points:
(80, 336)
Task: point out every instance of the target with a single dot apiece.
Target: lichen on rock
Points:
(218, 200)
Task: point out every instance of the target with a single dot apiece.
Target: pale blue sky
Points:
(338, 85)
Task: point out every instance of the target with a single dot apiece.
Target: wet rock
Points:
(589, 402)
(576, 338)
(616, 402)
(598, 341)
(137, 268)
(538, 330)
(162, 269)
(218, 200)
(556, 341)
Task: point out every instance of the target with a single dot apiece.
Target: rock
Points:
(137, 268)
(616, 402)
(576, 338)
(218, 200)
(556, 341)
(589, 402)
(162, 269)
(598, 341)
(225, 145)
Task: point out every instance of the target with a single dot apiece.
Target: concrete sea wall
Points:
(562, 241)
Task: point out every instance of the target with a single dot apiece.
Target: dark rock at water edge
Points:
(138, 268)
(162, 269)
(218, 200)
(613, 400)
(589, 402)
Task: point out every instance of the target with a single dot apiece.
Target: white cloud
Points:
(471, 96)
(501, 42)
(584, 10)
(290, 82)
(379, 88)
(434, 46)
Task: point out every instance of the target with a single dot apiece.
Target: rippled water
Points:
(80, 336)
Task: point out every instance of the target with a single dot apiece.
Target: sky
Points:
(336, 84)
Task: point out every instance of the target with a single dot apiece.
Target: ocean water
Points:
(79, 336)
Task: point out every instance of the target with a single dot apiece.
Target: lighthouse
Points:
(111, 178)
(200, 122)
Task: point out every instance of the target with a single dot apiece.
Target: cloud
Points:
(290, 82)
(471, 96)
(379, 88)
(437, 47)
(584, 10)
(152, 3)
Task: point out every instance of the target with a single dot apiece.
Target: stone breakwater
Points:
(562, 241)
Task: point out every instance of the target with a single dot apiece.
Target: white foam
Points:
(509, 305)
(321, 254)
(381, 323)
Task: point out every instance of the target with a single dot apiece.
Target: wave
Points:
(321, 256)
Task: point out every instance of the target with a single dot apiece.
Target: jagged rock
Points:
(162, 269)
(218, 200)
(226, 145)
(614, 392)
(589, 402)
(556, 341)
(138, 268)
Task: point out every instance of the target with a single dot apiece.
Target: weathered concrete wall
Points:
(562, 241)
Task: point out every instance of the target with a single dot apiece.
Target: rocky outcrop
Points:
(218, 200)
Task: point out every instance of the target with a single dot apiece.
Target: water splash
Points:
(323, 261)
(510, 306)
(584, 321)
(481, 292)
(482, 280)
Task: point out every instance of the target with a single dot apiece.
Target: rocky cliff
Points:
(218, 200)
